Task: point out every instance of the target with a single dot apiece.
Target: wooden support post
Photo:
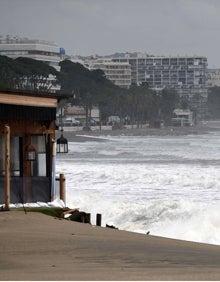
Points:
(7, 167)
(53, 182)
(98, 219)
(63, 188)
(88, 218)
(85, 217)
(82, 218)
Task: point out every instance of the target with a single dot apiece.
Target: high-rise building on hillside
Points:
(160, 72)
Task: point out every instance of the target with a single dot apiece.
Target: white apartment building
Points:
(118, 72)
(41, 50)
(185, 74)
(160, 72)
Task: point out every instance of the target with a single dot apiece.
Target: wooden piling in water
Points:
(85, 217)
(98, 219)
(62, 188)
(82, 218)
(88, 218)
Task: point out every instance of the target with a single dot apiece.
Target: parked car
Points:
(93, 122)
(72, 122)
(76, 122)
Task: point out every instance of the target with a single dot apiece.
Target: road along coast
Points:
(35, 246)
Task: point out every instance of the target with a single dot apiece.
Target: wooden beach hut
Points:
(27, 121)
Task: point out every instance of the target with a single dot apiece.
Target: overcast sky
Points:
(89, 27)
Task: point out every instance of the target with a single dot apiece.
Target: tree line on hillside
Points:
(26, 74)
(137, 104)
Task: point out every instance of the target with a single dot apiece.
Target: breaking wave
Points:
(166, 185)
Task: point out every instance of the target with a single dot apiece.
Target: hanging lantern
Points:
(31, 153)
(62, 145)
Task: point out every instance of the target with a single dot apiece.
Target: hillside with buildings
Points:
(188, 76)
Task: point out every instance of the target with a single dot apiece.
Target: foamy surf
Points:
(166, 185)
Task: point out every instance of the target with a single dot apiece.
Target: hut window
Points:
(15, 159)
(39, 165)
(14, 156)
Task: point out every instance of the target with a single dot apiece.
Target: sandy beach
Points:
(40, 247)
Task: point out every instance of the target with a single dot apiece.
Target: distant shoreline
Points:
(76, 135)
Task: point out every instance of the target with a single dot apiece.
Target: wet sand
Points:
(39, 247)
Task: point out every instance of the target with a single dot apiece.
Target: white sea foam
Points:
(56, 203)
(168, 185)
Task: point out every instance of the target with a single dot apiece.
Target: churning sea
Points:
(168, 185)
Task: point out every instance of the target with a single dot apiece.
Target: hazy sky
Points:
(88, 27)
